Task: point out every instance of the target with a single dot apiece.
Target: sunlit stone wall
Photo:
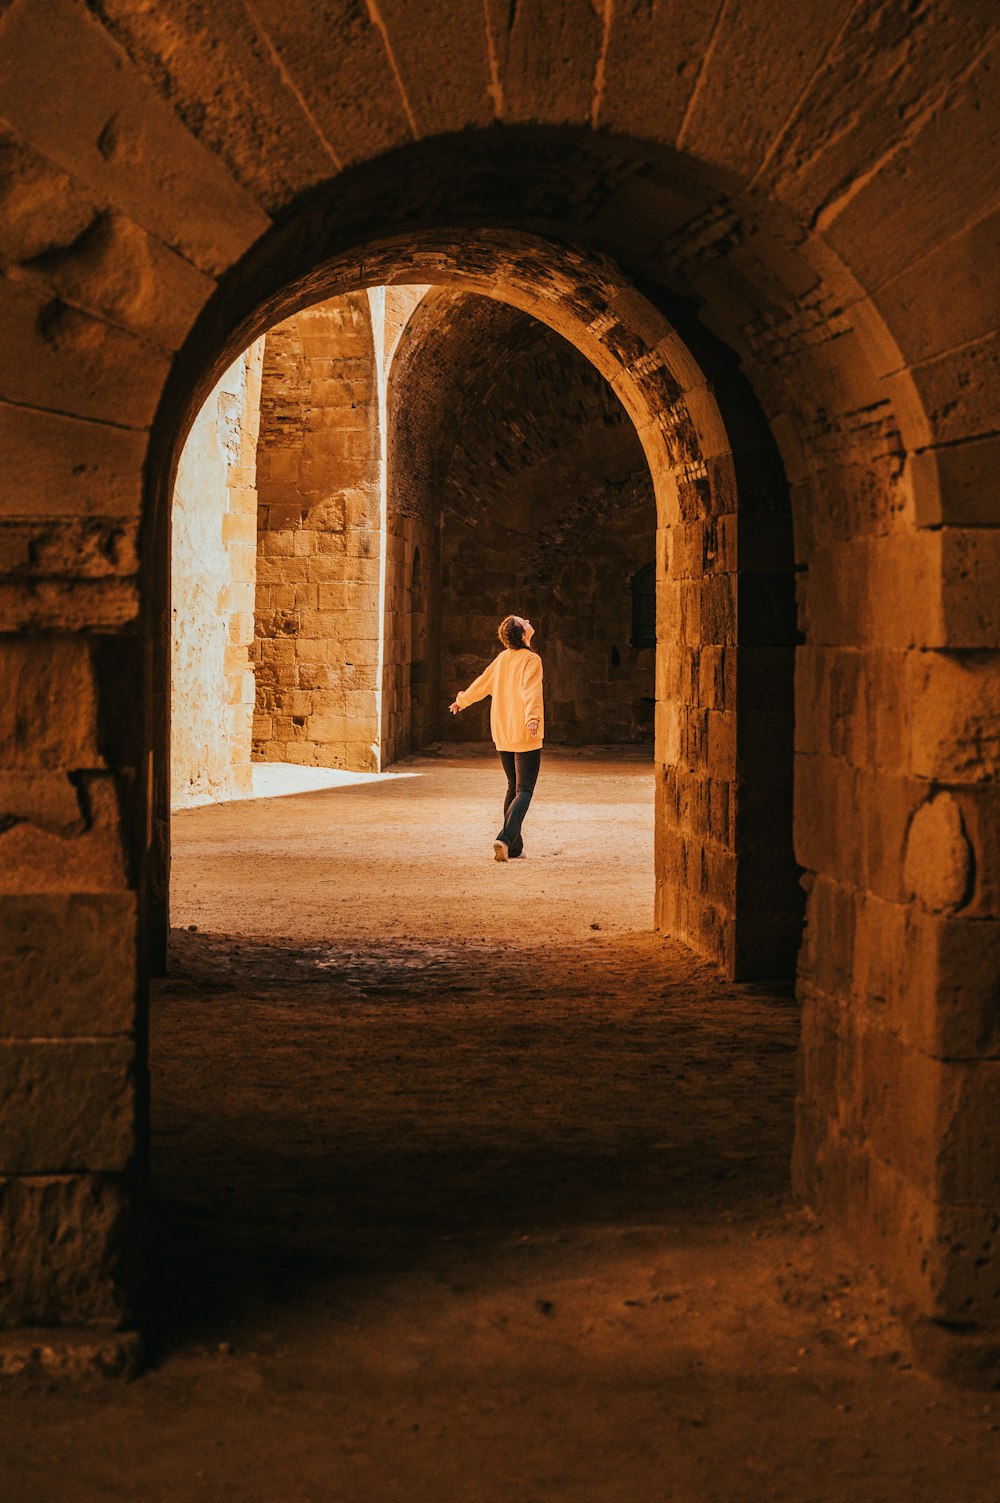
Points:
(214, 557)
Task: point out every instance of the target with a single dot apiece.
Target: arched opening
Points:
(769, 286)
(515, 462)
(712, 844)
(662, 478)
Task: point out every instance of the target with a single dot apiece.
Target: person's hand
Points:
(454, 707)
(532, 727)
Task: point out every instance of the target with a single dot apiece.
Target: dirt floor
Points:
(470, 1189)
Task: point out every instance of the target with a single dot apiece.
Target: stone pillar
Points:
(410, 545)
(898, 753)
(316, 646)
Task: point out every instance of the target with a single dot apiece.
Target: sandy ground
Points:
(470, 1188)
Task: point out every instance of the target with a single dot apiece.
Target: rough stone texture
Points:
(213, 572)
(81, 984)
(67, 1356)
(825, 230)
(67, 1104)
(316, 647)
(62, 1244)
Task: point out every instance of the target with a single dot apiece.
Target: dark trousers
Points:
(522, 774)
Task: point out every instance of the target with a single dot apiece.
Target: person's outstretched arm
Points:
(531, 687)
(478, 689)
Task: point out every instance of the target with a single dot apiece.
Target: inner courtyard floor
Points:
(469, 1187)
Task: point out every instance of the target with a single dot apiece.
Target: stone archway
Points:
(775, 232)
(723, 809)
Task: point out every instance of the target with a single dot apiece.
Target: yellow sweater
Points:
(514, 679)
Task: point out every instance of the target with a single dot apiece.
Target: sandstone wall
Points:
(810, 190)
(213, 571)
(316, 647)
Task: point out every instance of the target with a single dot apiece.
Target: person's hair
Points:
(511, 633)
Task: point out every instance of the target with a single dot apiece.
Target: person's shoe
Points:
(499, 850)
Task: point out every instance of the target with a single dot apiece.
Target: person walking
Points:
(517, 724)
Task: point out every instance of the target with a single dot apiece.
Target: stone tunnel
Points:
(333, 334)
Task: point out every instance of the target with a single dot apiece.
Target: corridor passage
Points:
(471, 1189)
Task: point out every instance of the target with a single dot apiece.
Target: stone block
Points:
(330, 701)
(978, 807)
(956, 392)
(67, 1105)
(954, 725)
(873, 592)
(47, 800)
(63, 1251)
(827, 957)
(280, 652)
(969, 561)
(332, 728)
(956, 485)
(827, 803)
(35, 860)
(58, 356)
(239, 527)
(69, 965)
(939, 861)
(114, 134)
(884, 819)
(946, 1001)
(359, 649)
(935, 305)
(274, 545)
(48, 712)
(59, 465)
(715, 619)
(722, 734)
(313, 650)
(48, 605)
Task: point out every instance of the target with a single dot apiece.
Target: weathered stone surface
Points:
(62, 1243)
(956, 485)
(41, 208)
(216, 70)
(348, 84)
(542, 58)
(751, 55)
(213, 547)
(48, 714)
(129, 277)
(85, 856)
(67, 1105)
(65, 466)
(39, 548)
(68, 965)
(67, 1356)
(938, 861)
(101, 122)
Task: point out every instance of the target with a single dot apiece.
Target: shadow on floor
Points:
(332, 1117)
